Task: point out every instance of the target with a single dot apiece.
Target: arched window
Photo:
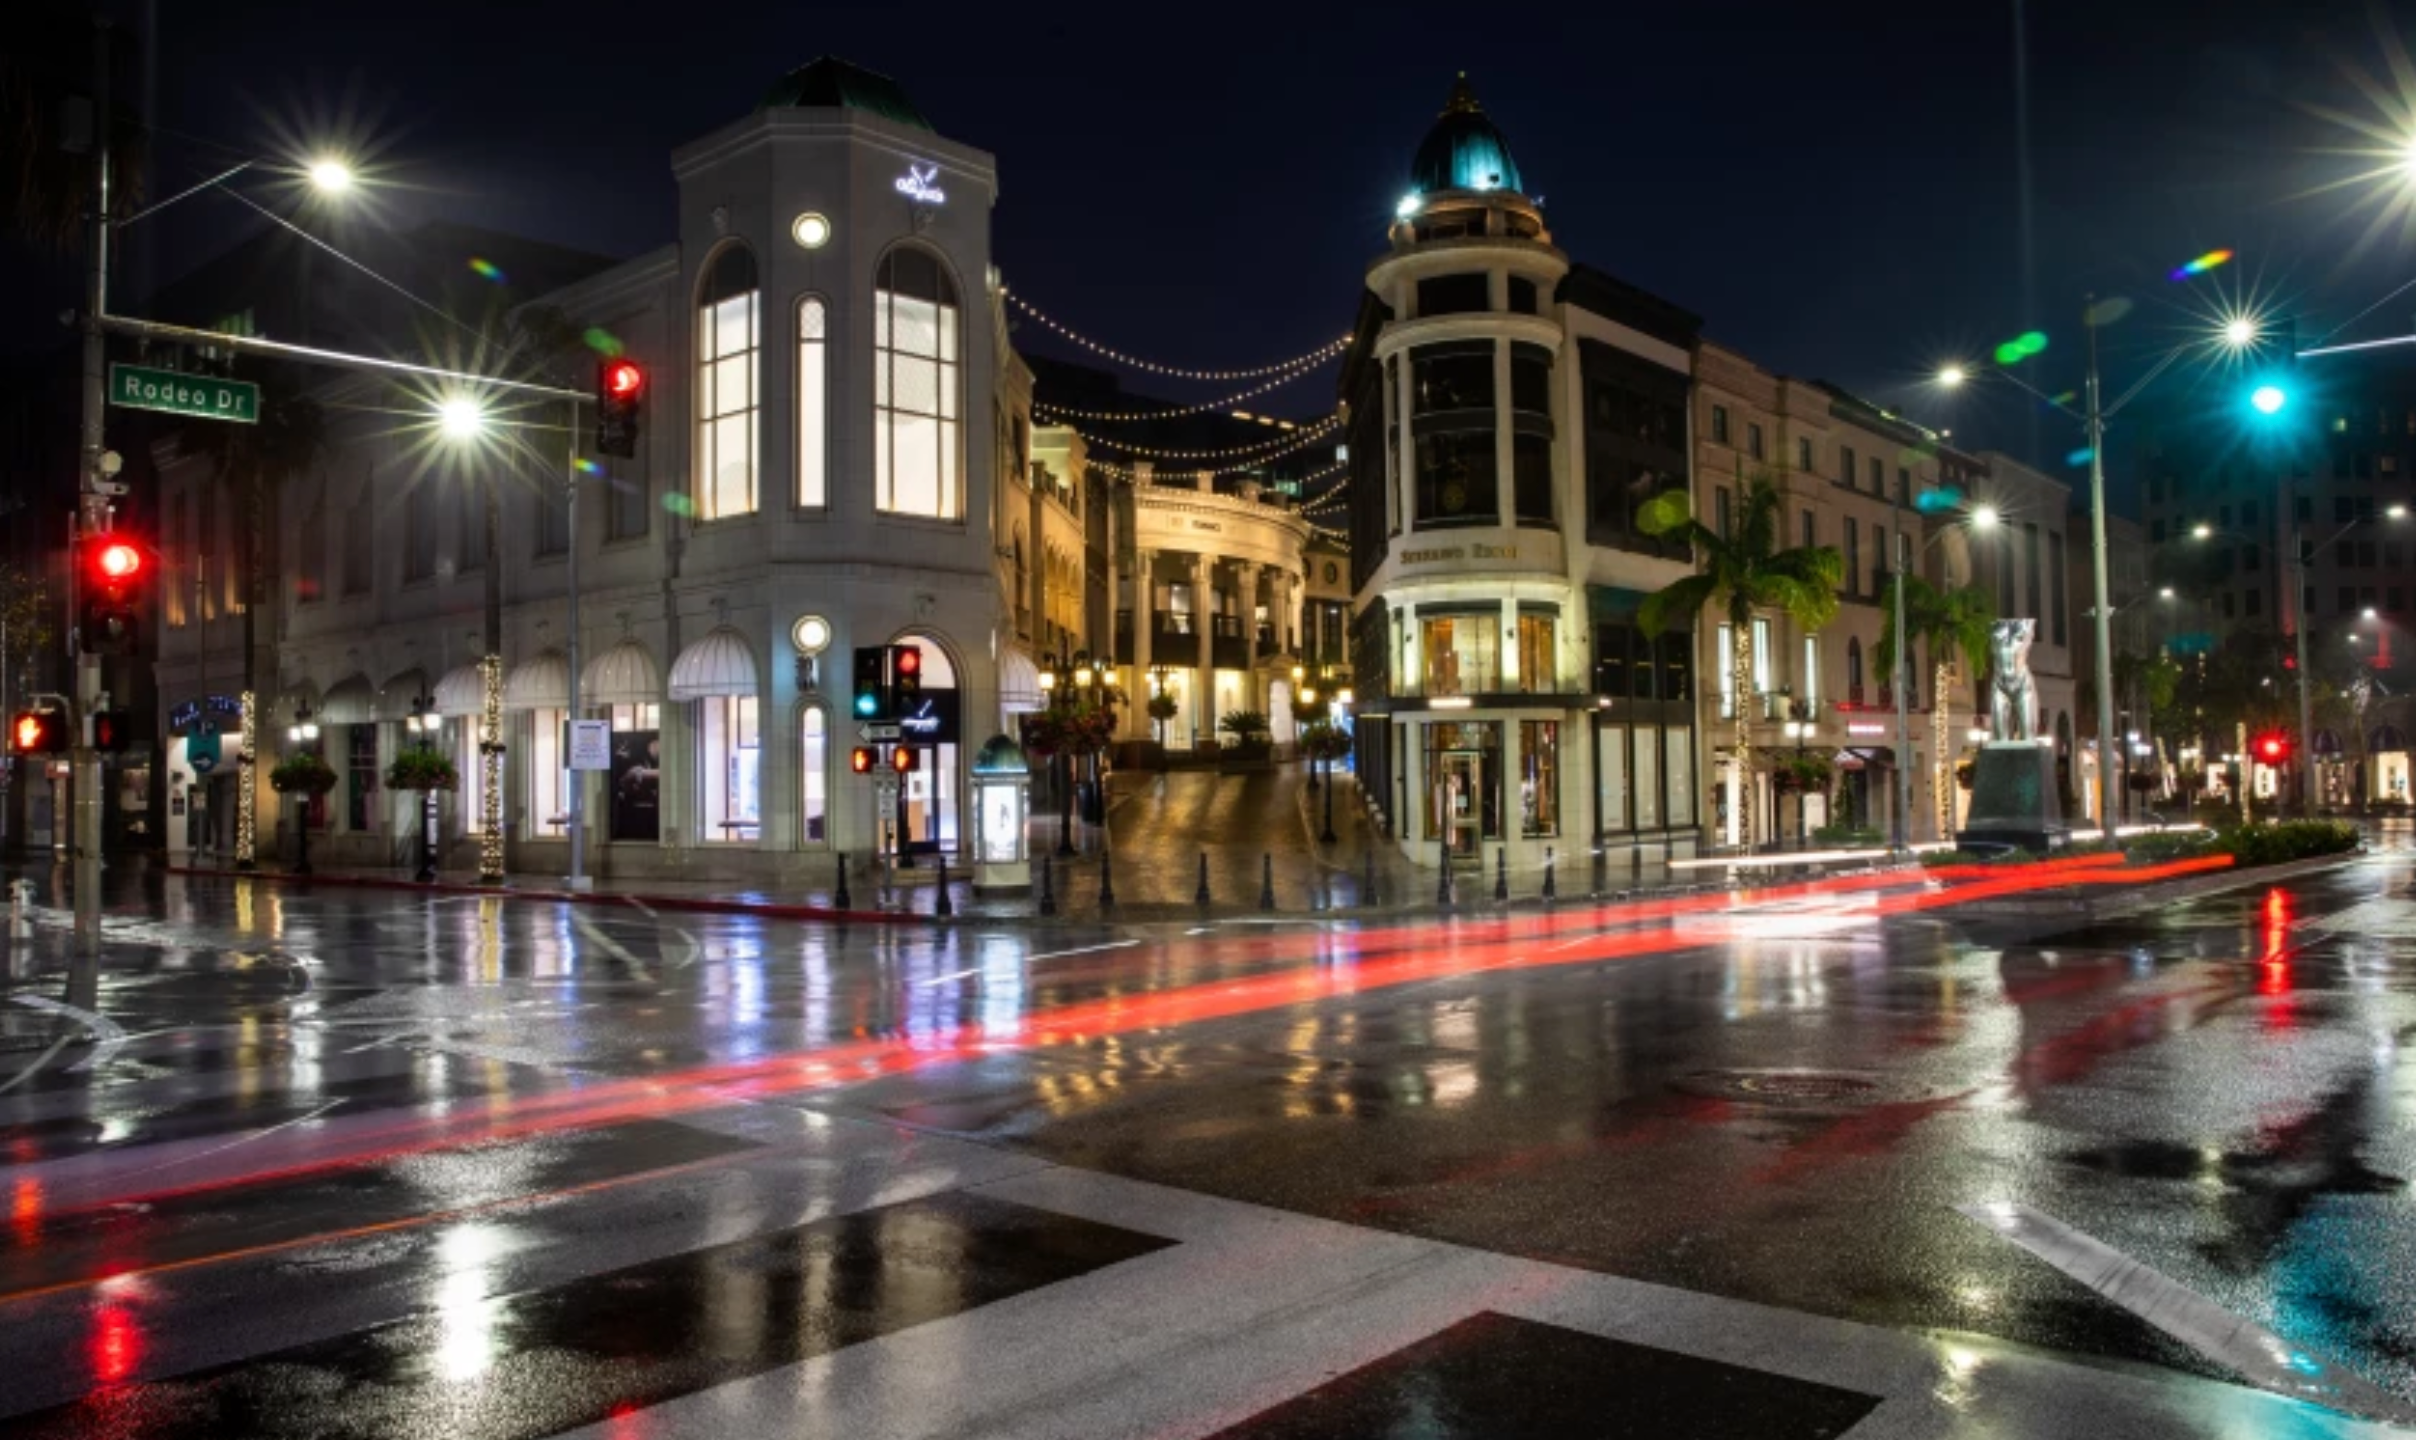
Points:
(917, 374)
(813, 773)
(728, 333)
(813, 402)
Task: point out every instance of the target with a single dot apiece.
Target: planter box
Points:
(1243, 759)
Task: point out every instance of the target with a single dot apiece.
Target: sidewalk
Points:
(1256, 833)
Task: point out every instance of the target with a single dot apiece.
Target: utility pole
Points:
(1902, 829)
(578, 783)
(92, 507)
(2103, 620)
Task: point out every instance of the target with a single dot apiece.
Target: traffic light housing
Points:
(2272, 748)
(112, 575)
(905, 759)
(620, 392)
(872, 682)
(905, 678)
(40, 732)
(112, 731)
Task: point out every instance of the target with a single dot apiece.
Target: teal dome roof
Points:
(830, 83)
(1464, 151)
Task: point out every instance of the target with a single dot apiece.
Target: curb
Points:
(690, 903)
(2073, 911)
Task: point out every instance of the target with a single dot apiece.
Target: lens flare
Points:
(2208, 261)
(2078, 457)
(486, 269)
(588, 467)
(678, 504)
(602, 341)
(2020, 348)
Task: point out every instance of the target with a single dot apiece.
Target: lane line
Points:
(952, 975)
(108, 1037)
(695, 947)
(39, 1061)
(1080, 950)
(2191, 1318)
(592, 931)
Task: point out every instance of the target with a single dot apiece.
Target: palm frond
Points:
(1678, 600)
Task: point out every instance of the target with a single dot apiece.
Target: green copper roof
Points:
(1463, 151)
(829, 82)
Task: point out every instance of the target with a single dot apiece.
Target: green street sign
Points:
(202, 396)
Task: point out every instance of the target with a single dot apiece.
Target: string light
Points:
(1315, 357)
(1307, 366)
(490, 767)
(1261, 450)
(247, 793)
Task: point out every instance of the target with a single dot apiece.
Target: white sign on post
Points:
(590, 745)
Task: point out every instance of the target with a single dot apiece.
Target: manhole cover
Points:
(1788, 1087)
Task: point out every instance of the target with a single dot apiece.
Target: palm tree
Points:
(1742, 571)
(1953, 623)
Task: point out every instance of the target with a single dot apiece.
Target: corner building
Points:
(1508, 415)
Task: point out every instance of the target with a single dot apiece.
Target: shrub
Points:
(416, 769)
(2170, 845)
(2287, 840)
(1247, 727)
(1163, 707)
(1847, 835)
(302, 773)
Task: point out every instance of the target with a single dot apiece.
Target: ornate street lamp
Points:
(425, 722)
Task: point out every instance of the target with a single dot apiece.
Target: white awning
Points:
(541, 682)
(349, 701)
(463, 691)
(718, 663)
(623, 675)
(395, 696)
(1019, 683)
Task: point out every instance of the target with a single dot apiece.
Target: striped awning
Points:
(541, 682)
(719, 662)
(463, 691)
(1019, 683)
(623, 675)
(350, 701)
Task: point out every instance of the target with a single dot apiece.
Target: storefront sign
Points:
(637, 784)
(916, 185)
(590, 745)
(1459, 552)
(1216, 525)
(182, 714)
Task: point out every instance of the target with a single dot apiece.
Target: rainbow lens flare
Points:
(2021, 347)
(601, 340)
(679, 504)
(2202, 264)
(2078, 457)
(486, 269)
(588, 467)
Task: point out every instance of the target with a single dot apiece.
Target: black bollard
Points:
(1551, 887)
(1266, 881)
(1200, 896)
(1443, 878)
(1318, 898)
(1602, 870)
(1501, 872)
(1107, 882)
(840, 899)
(946, 906)
(1367, 885)
(1048, 887)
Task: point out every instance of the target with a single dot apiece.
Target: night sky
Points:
(1835, 189)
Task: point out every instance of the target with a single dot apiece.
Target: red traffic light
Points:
(623, 378)
(39, 732)
(910, 660)
(118, 560)
(2271, 748)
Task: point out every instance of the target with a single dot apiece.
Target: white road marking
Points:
(1086, 950)
(2189, 1317)
(695, 947)
(953, 975)
(39, 1061)
(108, 1037)
(642, 905)
(606, 943)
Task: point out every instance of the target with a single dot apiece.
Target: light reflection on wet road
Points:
(441, 1101)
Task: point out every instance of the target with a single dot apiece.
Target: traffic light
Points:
(905, 678)
(620, 388)
(2273, 747)
(112, 731)
(40, 732)
(111, 572)
(860, 760)
(905, 759)
(872, 682)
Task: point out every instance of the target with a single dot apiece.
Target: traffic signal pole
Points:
(578, 786)
(92, 509)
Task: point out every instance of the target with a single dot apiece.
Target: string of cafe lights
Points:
(1285, 444)
(1315, 357)
(1308, 365)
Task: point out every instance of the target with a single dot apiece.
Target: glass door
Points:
(1457, 809)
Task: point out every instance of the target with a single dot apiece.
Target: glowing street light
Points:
(1952, 376)
(461, 417)
(329, 176)
(2268, 399)
(2202, 531)
(2240, 332)
(2164, 592)
(1984, 517)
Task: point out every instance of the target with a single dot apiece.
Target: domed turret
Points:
(1464, 150)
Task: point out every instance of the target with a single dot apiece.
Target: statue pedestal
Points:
(2014, 800)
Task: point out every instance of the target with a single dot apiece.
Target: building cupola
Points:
(1464, 150)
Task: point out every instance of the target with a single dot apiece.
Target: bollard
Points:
(1266, 881)
(1443, 880)
(946, 906)
(1602, 871)
(1048, 886)
(1200, 896)
(1367, 886)
(1318, 899)
(840, 899)
(1107, 883)
(1501, 873)
(1551, 889)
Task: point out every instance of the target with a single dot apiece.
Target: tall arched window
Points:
(916, 380)
(728, 334)
(813, 775)
(813, 402)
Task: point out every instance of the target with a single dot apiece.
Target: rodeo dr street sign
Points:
(204, 396)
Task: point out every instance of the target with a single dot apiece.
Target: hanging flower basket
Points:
(1808, 773)
(422, 770)
(302, 773)
(1163, 707)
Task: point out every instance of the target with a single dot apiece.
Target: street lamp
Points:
(1800, 728)
(461, 417)
(329, 175)
(425, 722)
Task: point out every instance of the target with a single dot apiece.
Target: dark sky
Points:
(1835, 188)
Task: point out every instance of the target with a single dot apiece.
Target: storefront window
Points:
(1461, 652)
(360, 775)
(634, 799)
(732, 773)
(916, 377)
(1456, 478)
(1463, 784)
(1538, 652)
(466, 766)
(728, 330)
(1539, 778)
(813, 762)
(549, 782)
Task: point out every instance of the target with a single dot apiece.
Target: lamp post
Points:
(1342, 697)
(303, 733)
(1800, 728)
(426, 723)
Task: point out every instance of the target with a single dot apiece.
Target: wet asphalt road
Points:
(333, 1162)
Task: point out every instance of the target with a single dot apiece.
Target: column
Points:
(1203, 626)
(1145, 624)
(1505, 491)
(1245, 600)
(1511, 678)
(1293, 624)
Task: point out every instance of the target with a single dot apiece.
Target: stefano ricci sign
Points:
(917, 184)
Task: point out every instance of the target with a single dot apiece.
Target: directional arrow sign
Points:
(875, 734)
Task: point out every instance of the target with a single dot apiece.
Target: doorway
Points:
(1456, 809)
